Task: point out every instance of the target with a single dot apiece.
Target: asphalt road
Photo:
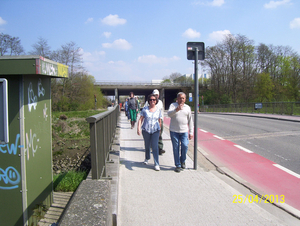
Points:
(276, 140)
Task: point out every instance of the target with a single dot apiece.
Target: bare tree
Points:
(15, 46)
(232, 65)
(4, 40)
(41, 48)
(71, 56)
(10, 45)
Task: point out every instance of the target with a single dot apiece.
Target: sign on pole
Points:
(191, 46)
(190, 97)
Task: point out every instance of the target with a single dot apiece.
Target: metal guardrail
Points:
(281, 108)
(102, 130)
(126, 83)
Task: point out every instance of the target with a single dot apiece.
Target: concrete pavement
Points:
(191, 197)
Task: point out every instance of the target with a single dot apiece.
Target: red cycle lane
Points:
(258, 173)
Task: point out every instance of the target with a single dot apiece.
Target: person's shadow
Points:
(130, 165)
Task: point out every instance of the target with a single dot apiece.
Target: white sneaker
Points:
(157, 168)
(146, 162)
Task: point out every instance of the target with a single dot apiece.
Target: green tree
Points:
(84, 92)
(264, 87)
(289, 77)
(167, 80)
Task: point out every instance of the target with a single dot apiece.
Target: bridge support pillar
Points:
(163, 97)
(116, 96)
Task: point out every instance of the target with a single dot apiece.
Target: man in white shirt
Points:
(181, 129)
(160, 105)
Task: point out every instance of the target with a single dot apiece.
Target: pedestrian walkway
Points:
(191, 197)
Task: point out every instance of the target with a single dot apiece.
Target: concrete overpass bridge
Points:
(167, 91)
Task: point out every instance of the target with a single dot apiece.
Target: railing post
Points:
(103, 136)
(93, 141)
(102, 128)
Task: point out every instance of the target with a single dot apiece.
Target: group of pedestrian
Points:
(150, 126)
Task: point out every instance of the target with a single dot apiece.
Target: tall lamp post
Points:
(196, 51)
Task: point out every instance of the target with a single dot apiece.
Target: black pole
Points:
(196, 88)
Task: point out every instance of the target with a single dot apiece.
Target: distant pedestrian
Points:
(181, 130)
(133, 108)
(126, 108)
(150, 123)
(138, 104)
(160, 105)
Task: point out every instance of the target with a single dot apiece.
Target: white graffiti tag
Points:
(41, 90)
(30, 139)
(32, 99)
(45, 112)
(48, 69)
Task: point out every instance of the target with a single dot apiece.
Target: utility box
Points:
(26, 179)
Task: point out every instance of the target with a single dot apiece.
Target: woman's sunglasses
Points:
(152, 99)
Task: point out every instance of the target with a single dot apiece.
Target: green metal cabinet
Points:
(26, 153)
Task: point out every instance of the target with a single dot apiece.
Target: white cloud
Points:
(2, 21)
(152, 59)
(89, 20)
(113, 70)
(121, 70)
(275, 4)
(218, 36)
(190, 33)
(113, 20)
(121, 44)
(107, 34)
(119, 63)
(295, 23)
(216, 3)
(92, 57)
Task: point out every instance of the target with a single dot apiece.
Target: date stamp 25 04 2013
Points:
(259, 199)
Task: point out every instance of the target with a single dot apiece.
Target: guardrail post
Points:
(102, 128)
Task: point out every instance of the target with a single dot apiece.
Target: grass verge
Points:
(69, 181)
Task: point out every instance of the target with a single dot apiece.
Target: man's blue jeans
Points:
(151, 141)
(179, 140)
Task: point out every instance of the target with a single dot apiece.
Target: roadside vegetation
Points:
(70, 148)
(242, 72)
(68, 181)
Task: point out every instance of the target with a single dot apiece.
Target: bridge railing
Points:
(126, 83)
(281, 108)
(102, 131)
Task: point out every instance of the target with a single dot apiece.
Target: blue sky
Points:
(144, 40)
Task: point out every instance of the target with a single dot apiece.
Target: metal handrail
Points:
(281, 108)
(102, 130)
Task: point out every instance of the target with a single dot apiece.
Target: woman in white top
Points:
(149, 125)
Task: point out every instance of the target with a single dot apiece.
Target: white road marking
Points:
(203, 131)
(287, 170)
(219, 137)
(244, 149)
(216, 116)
